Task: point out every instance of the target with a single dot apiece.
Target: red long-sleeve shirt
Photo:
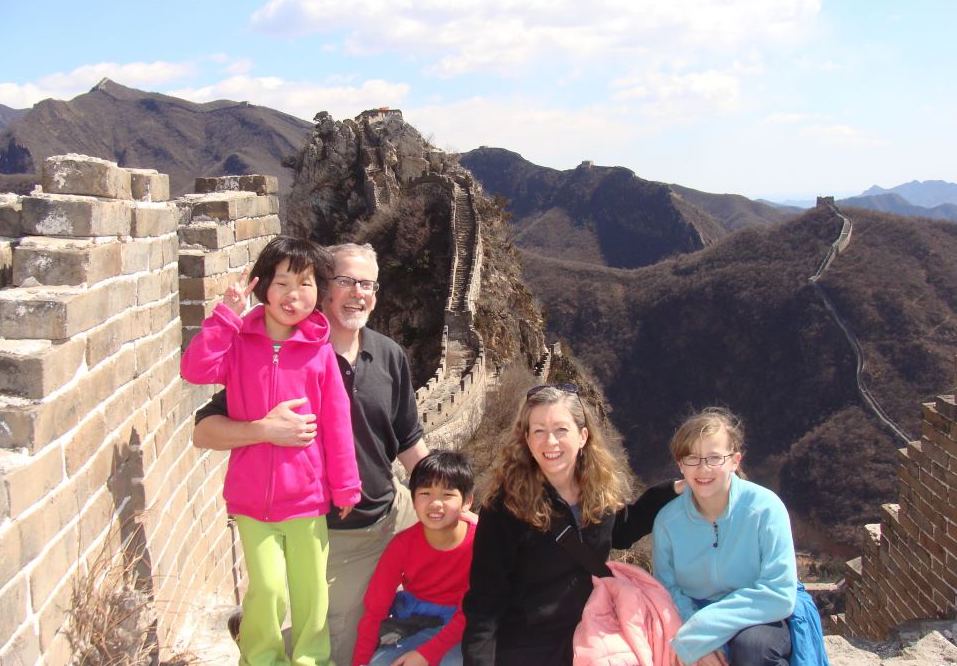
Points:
(437, 576)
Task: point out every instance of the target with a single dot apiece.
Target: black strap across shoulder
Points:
(568, 539)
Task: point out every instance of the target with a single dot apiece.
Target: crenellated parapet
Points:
(908, 568)
(97, 470)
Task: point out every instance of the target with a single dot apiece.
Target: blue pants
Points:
(404, 606)
(761, 645)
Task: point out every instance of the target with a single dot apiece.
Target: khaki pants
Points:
(353, 555)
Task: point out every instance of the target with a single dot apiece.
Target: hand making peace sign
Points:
(237, 296)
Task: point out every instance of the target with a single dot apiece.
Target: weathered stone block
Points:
(80, 174)
(9, 556)
(153, 219)
(6, 262)
(199, 289)
(10, 225)
(250, 227)
(62, 261)
(251, 183)
(135, 255)
(192, 313)
(202, 263)
(13, 612)
(222, 205)
(238, 255)
(55, 215)
(149, 185)
(35, 368)
(210, 234)
(104, 340)
(51, 313)
(52, 566)
(85, 442)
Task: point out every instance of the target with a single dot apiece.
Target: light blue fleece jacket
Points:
(743, 564)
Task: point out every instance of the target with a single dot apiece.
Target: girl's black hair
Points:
(302, 255)
(449, 469)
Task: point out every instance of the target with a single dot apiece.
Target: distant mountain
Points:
(927, 193)
(738, 324)
(149, 130)
(791, 205)
(895, 203)
(607, 215)
(8, 115)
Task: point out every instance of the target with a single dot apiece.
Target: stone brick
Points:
(52, 567)
(250, 183)
(170, 250)
(9, 556)
(27, 479)
(96, 518)
(256, 246)
(105, 339)
(29, 424)
(36, 368)
(13, 611)
(211, 234)
(239, 256)
(222, 205)
(50, 313)
(200, 289)
(85, 442)
(149, 185)
(80, 174)
(56, 215)
(10, 222)
(250, 227)
(60, 261)
(202, 263)
(192, 313)
(6, 262)
(135, 255)
(153, 219)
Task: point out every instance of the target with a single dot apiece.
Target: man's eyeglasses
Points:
(710, 461)
(346, 282)
(567, 388)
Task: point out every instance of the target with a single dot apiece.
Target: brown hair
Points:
(705, 423)
(602, 473)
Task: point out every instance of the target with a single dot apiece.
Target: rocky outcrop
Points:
(447, 270)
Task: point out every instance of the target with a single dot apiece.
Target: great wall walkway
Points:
(837, 247)
(453, 400)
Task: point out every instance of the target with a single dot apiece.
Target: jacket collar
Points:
(687, 498)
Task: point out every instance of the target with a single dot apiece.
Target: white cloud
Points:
(499, 35)
(301, 99)
(680, 95)
(839, 134)
(543, 135)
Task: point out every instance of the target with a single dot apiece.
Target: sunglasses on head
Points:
(566, 388)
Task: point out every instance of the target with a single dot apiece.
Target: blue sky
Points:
(766, 98)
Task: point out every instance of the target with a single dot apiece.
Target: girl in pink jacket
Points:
(279, 495)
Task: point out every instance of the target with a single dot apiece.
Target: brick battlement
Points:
(102, 279)
(908, 569)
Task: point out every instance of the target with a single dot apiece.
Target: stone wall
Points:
(96, 463)
(908, 569)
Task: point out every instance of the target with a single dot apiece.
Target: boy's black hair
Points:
(301, 253)
(450, 469)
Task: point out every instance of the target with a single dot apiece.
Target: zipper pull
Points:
(715, 525)
(275, 354)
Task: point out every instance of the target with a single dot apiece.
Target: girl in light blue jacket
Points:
(724, 552)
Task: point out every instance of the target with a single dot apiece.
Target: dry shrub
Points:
(501, 406)
(112, 618)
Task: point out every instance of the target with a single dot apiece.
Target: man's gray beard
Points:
(355, 322)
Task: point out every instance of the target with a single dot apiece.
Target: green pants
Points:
(296, 551)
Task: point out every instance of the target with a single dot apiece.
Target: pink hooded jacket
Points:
(629, 620)
(264, 481)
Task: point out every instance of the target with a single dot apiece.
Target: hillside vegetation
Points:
(738, 324)
(607, 215)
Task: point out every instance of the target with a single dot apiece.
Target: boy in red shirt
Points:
(431, 561)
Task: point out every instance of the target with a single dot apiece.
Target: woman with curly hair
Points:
(556, 471)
